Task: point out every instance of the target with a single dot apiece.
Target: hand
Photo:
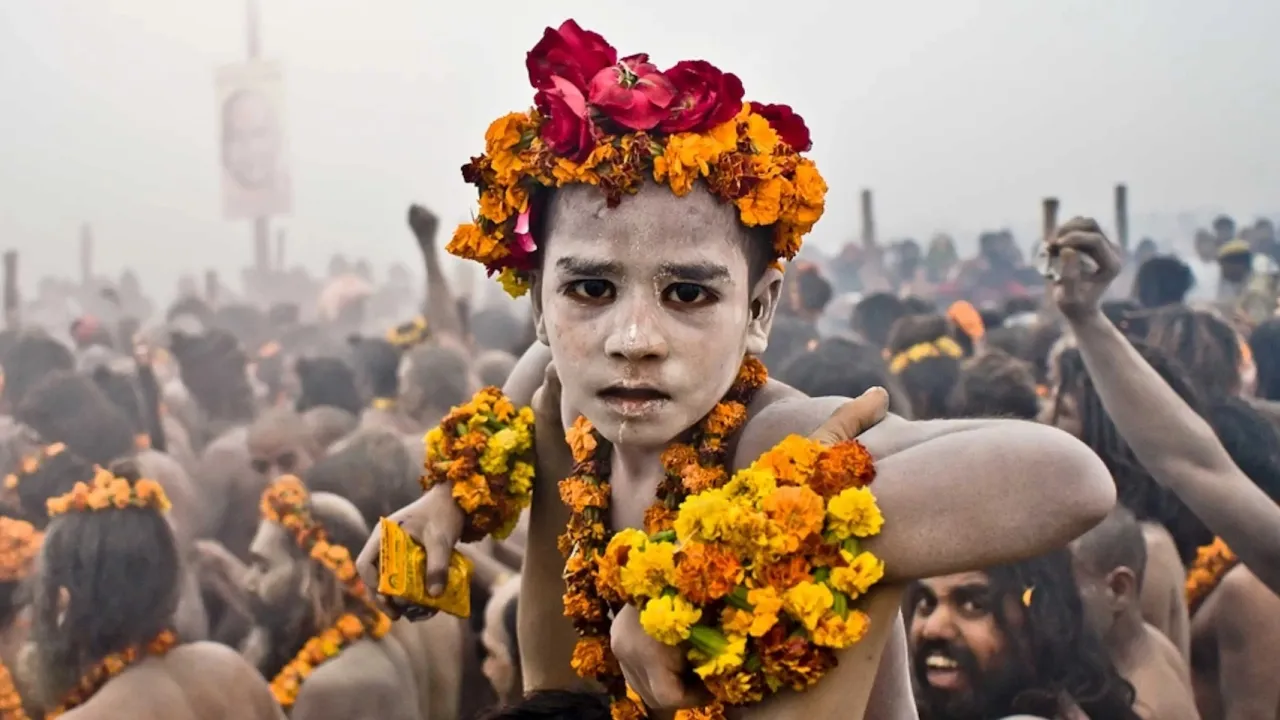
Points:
(652, 669)
(1078, 291)
(435, 521)
(853, 418)
(424, 224)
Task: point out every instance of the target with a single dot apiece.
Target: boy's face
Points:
(648, 308)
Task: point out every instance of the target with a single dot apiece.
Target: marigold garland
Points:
(30, 464)
(409, 334)
(690, 467)
(942, 347)
(287, 503)
(614, 123)
(106, 491)
(19, 546)
(11, 707)
(484, 449)
(1212, 563)
(111, 666)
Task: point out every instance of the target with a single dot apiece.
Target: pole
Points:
(1122, 217)
(868, 220)
(86, 255)
(262, 223)
(280, 246)
(12, 317)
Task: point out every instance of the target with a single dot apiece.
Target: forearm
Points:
(1180, 449)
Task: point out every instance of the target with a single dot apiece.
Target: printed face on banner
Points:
(254, 152)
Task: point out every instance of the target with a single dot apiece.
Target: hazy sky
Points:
(960, 114)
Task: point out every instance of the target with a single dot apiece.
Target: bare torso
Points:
(370, 680)
(1164, 604)
(1234, 636)
(200, 681)
(1160, 678)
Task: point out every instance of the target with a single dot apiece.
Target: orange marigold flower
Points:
(581, 439)
(784, 573)
(792, 460)
(793, 661)
(725, 418)
(697, 478)
(842, 466)
(797, 510)
(736, 688)
(627, 709)
(579, 495)
(472, 493)
(761, 206)
(705, 573)
(678, 456)
(658, 518)
(591, 656)
(714, 711)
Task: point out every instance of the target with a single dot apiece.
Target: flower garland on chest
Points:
(111, 666)
(11, 707)
(1212, 563)
(689, 468)
(19, 545)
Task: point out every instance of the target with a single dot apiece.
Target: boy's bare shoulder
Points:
(780, 410)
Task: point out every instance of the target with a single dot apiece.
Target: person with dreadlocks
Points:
(19, 546)
(1264, 344)
(1011, 639)
(102, 629)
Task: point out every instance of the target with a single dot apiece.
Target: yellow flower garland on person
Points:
(691, 467)
(484, 449)
(409, 334)
(19, 546)
(745, 153)
(942, 347)
(287, 503)
(31, 464)
(1212, 563)
(385, 404)
(106, 491)
(109, 667)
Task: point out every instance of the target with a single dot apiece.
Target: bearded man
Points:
(106, 589)
(652, 300)
(318, 635)
(1010, 640)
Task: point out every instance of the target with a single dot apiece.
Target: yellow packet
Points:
(402, 573)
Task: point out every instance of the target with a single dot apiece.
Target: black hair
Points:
(193, 306)
(1204, 344)
(1250, 439)
(554, 705)
(875, 315)
(995, 384)
(377, 365)
(1064, 661)
(327, 381)
(916, 305)
(212, 367)
(928, 381)
(843, 368)
(68, 407)
(373, 471)
(120, 568)
(440, 373)
(1135, 487)
(1162, 280)
(31, 357)
(813, 289)
(1264, 343)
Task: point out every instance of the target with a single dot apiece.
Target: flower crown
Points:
(601, 121)
(288, 503)
(19, 545)
(31, 464)
(107, 491)
(409, 334)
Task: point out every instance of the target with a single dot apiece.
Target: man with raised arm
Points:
(646, 211)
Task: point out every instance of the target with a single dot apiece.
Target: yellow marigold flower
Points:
(470, 242)
(839, 633)
(797, 511)
(472, 493)
(791, 460)
(863, 571)
(728, 656)
(504, 133)
(512, 283)
(686, 157)
(807, 602)
(522, 474)
(810, 193)
(649, 570)
(854, 513)
(702, 516)
(668, 619)
(735, 621)
(753, 483)
(765, 606)
(764, 139)
(434, 442)
(501, 444)
(762, 205)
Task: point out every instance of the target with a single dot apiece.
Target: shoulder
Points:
(1245, 609)
(778, 411)
(362, 677)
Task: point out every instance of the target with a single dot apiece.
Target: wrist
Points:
(1087, 320)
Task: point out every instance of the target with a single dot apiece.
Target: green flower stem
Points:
(664, 536)
(738, 599)
(708, 641)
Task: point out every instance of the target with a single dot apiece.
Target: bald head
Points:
(341, 520)
(1116, 542)
(493, 367)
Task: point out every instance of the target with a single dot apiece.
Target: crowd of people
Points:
(1076, 465)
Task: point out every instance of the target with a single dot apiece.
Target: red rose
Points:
(789, 126)
(570, 52)
(633, 93)
(705, 97)
(566, 128)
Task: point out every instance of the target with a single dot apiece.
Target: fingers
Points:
(546, 400)
(854, 417)
(367, 567)
(1085, 237)
(438, 550)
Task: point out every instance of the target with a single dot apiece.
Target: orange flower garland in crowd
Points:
(484, 448)
(31, 464)
(691, 467)
(106, 491)
(613, 123)
(286, 502)
(111, 666)
(1212, 563)
(19, 546)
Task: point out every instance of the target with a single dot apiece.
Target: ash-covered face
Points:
(275, 574)
(648, 308)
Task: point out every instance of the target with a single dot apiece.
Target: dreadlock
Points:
(1135, 487)
(1265, 345)
(1205, 345)
(1066, 659)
